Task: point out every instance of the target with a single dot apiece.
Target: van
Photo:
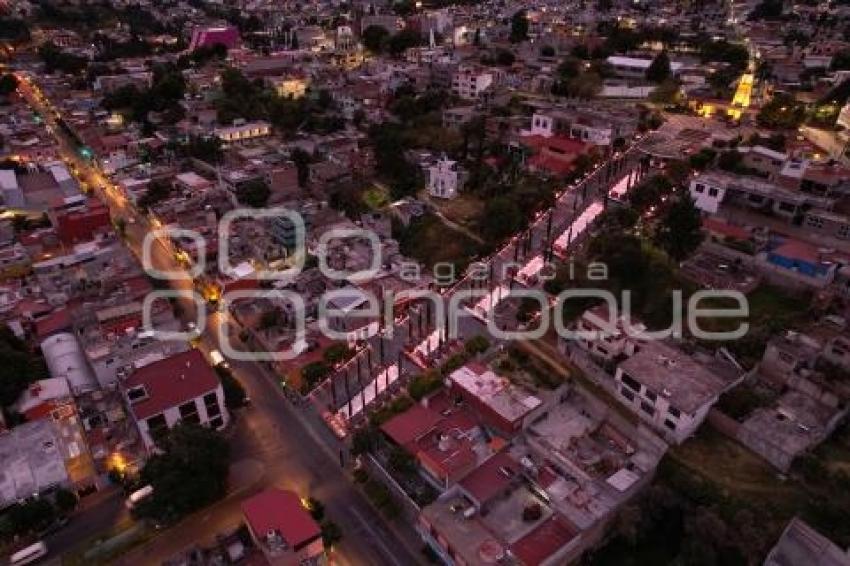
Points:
(137, 496)
(29, 554)
(218, 359)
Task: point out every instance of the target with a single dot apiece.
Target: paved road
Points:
(296, 450)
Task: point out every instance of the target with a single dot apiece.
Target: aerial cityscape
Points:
(403, 282)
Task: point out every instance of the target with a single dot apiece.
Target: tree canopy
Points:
(519, 27)
(189, 473)
(679, 231)
(254, 193)
(659, 70)
(18, 367)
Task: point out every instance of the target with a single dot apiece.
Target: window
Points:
(188, 409)
(669, 424)
(216, 422)
(699, 188)
(194, 418)
(674, 411)
(814, 221)
(627, 394)
(712, 192)
(211, 403)
(629, 382)
(137, 393)
(647, 408)
(650, 395)
(844, 231)
(157, 423)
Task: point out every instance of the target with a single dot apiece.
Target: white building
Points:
(713, 189)
(65, 358)
(616, 339)
(11, 191)
(635, 68)
(181, 388)
(445, 178)
(707, 192)
(470, 83)
(670, 390)
(243, 132)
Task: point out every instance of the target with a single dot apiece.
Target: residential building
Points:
(801, 544)
(243, 132)
(671, 390)
(445, 178)
(502, 407)
(283, 529)
(43, 454)
(471, 82)
(228, 36)
(180, 388)
(712, 190)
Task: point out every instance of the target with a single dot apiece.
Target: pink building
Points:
(207, 37)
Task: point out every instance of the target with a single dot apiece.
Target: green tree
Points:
(331, 533)
(666, 93)
(477, 345)
(375, 38)
(302, 161)
(234, 393)
(316, 508)
(659, 70)
(158, 190)
(254, 193)
(314, 372)
(679, 231)
(31, 516)
(519, 27)
(66, 501)
(18, 367)
(781, 112)
(190, 472)
(730, 160)
(501, 218)
(337, 352)
(403, 40)
(768, 10)
(8, 84)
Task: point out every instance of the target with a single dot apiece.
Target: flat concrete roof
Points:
(671, 373)
(32, 461)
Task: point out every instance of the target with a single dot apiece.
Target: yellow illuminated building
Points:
(743, 96)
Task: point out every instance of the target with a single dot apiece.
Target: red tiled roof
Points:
(551, 164)
(544, 540)
(725, 229)
(487, 481)
(446, 463)
(56, 321)
(411, 424)
(795, 249)
(560, 143)
(171, 382)
(281, 511)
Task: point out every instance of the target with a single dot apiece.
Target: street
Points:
(294, 451)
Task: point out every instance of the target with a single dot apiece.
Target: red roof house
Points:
(180, 388)
(282, 527)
